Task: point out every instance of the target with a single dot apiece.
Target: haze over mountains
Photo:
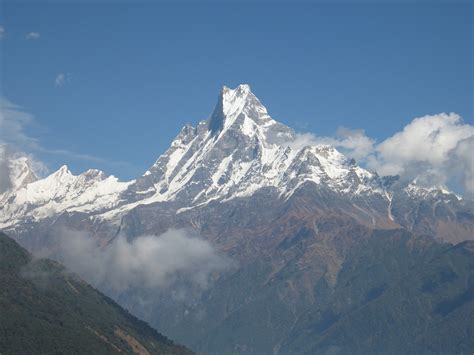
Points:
(297, 248)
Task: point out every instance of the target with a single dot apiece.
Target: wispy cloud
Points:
(32, 36)
(13, 123)
(62, 79)
(80, 156)
(2, 32)
(14, 141)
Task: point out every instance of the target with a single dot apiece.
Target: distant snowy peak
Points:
(21, 172)
(415, 190)
(62, 191)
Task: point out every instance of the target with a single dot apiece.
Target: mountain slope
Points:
(45, 309)
(395, 294)
(305, 261)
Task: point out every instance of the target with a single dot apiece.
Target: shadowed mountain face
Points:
(317, 243)
(45, 309)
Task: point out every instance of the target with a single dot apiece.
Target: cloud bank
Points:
(434, 149)
(145, 262)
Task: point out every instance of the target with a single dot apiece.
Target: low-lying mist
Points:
(145, 262)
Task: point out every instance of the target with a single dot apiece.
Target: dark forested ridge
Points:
(45, 309)
(396, 294)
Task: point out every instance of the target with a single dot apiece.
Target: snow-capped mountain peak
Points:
(21, 172)
(59, 192)
(15, 171)
(236, 152)
(241, 149)
(63, 173)
(238, 107)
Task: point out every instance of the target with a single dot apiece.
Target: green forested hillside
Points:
(46, 310)
(396, 294)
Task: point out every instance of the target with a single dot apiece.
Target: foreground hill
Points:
(45, 309)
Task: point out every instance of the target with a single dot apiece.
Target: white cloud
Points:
(426, 148)
(427, 139)
(435, 149)
(32, 35)
(2, 32)
(353, 143)
(62, 79)
(146, 262)
(302, 140)
(13, 121)
(14, 141)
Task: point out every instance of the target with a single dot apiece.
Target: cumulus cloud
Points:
(62, 79)
(434, 150)
(431, 148)
(32, 36)
(428, 139)
(146, 262)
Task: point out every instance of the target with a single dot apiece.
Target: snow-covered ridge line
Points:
(59, 192)
(239, 150)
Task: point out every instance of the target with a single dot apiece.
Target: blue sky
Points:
(135, 73)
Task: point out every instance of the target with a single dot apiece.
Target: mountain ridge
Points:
(237, 151)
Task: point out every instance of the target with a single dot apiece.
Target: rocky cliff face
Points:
(289, 216)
